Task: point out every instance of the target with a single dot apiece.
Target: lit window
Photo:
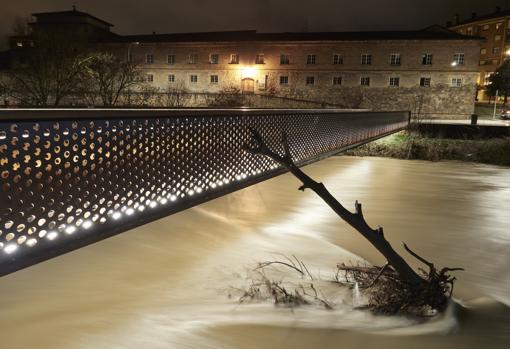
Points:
(284, 80)
(486, 27)
(482, 62)
(394, 81)
(470, 31)
(456, 82)
(366, 59)
(150, 78)
(425, 82)
(483, 51)
(499, 26)
(193, 79)
(310, 80)
(497, 37)
(214, 58)
(214, 79)
(170, 59)
(149, 59)
(338, 59)
(395, 59)
(284, 59)
(337, 80)
(310, 59)
(426, 59)
(259, 59)
(365, 81)
(171, 78)
(19, 44)
(458, 59)
(234, 58)
(193, 58)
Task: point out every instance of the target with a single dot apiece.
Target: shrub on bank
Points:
(404, 145)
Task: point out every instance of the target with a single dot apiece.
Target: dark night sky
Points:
(145, 16)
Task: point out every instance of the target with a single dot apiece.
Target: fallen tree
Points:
(396, 287)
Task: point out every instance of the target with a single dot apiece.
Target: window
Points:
(150, 78)
(193, 58)
(486, 27)
(284, 59)
(425, 82)
(170, 59)
(495, 50)
(310, 80)
(483, 51)
(234, 58)
(456, 82)
(497, 37)
(338, 59)
(426, 59)
(337, 80)
(214, 79)
(470, 31)
(395, 82)
(395, 59)
(19, 44)
(214, 58)
(171, 78)
(259, 59)
(365, 81)
(193, 79)
(499, 26)
(482, 62)
(366, 59)
(149, 59)
(284, 80)
(458, 59)
(310, 59)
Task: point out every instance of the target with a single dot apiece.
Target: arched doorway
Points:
(248, 86)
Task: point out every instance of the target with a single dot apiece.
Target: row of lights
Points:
(116, 215)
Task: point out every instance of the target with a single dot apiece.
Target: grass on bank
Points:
(404, 145)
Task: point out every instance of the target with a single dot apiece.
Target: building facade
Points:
(432, 72)
(495, 49)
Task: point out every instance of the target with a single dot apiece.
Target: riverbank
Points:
(404, 145)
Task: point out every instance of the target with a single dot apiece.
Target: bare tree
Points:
(430, 289)
(107, 77)
(47, 72)
(176, 95)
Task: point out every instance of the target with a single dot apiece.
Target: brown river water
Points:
(167, 284)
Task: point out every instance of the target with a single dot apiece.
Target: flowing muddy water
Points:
(166, 284)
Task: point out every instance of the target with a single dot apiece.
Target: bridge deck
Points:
(69, 178)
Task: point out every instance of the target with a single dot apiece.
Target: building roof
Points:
(493, 15)
(73, 13)
(430, 33)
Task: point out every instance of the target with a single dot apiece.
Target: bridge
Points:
(69, 178)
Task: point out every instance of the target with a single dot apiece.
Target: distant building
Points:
(431, 71)
(495, 28)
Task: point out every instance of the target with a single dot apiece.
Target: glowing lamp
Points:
(249, 72)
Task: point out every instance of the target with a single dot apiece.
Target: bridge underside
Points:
(69, 178)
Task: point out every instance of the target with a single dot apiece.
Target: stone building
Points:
(432, 72)
(495, 49)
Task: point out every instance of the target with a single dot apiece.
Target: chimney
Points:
(473, 15)
(498, 8)
(456, 18)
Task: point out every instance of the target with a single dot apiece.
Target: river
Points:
(167, 284)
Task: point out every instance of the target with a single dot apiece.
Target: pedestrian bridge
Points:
(69, 178)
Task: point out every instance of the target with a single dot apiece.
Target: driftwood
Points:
(432, 288)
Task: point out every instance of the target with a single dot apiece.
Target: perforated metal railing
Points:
(69, 178)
